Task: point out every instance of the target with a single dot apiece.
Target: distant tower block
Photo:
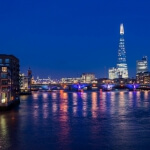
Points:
(142, 65)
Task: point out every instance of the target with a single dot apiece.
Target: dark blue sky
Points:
(67, 37)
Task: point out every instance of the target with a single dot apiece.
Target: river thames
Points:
(117, 120)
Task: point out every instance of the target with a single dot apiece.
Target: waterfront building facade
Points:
(9, 79)
(24, 83)
(121, 70)
(142, 65)
(143, 78)
(116, 81)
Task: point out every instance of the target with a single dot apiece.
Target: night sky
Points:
(64, 38)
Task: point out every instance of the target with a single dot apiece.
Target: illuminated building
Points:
(48, 80)
(121, 64)
(143, 78)
(87, 77)
(23, 81)
(70, 80)
(24, 84)
(104, 81)
(9, 79)
(116, 81)
(121, 70)
(42, 81)
(112, 73)
(142, 65)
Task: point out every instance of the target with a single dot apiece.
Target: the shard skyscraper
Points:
(121, 70)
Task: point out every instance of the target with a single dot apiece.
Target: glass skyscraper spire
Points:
(121, 70)
(121, 64)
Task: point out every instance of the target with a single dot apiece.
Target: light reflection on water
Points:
(4, 138)
(45, 96)
(74, 97)
(94, 104)
(102, 101)
(84, 98)
(66, 119)
(35, 95)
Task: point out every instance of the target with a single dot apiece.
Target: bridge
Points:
(87, 86)
(62, 86)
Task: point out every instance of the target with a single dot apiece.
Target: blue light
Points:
(132, 86)
(79, 86)
(108, 86)
(45, 87)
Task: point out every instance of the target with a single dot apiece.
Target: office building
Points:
(87, 77)
(24, 84)
(143, 78)
(121, 64)
(142, 65)
(112, 73)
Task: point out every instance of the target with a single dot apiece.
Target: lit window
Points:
(0, 60)
(4, 69)
(4, 97)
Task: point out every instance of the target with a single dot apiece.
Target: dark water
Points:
(90, 120)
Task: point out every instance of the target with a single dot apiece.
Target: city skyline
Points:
(74, 75)
(67, 39)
